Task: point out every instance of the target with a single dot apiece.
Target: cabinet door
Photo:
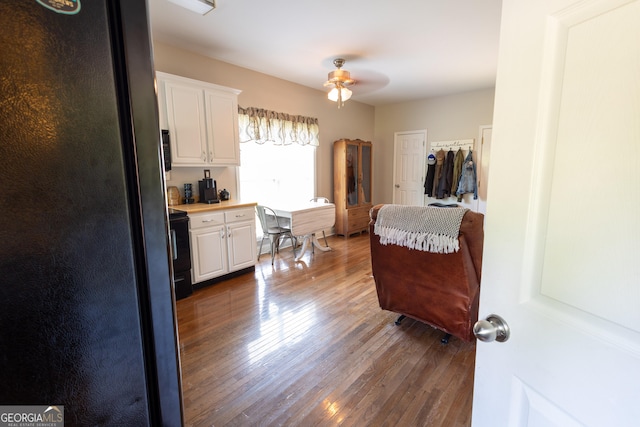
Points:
(364, 184)
(353, 172)
(222, 127)
(208, 253)
(358, 169)
(242, 245)
(187, 124)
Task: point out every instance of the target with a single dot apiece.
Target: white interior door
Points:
(409, 167)
(562, 231)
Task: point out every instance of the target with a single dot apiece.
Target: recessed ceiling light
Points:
(199, 6)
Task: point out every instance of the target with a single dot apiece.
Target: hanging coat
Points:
(438, 173)
(444, 185)
(457, 170)
(431, 173)
(468, 182)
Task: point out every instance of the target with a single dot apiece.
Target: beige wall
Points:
(445, 118)
(354, 120)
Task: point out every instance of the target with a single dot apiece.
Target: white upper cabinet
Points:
(222, 110)
(202, 119)
(186, 119)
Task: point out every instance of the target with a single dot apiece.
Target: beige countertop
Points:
(204, 207)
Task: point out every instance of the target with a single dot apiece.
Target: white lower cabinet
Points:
(222, 242)
(241, 238)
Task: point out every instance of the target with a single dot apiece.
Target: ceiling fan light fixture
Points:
(199, 6)
(337, 81)
(335, 94)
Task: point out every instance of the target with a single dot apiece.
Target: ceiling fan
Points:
(338, 80)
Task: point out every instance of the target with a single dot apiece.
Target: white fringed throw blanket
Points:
(423, 228)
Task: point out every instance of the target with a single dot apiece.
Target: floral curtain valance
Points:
(259, 125)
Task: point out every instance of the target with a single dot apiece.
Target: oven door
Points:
(180, 252)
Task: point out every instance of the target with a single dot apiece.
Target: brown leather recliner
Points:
(441, 290)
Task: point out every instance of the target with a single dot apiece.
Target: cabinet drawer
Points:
(236, 215)
(359, 214)
(358, 219)
(203, 220)
(357, 224)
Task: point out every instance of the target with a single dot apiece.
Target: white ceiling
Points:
(397, 50)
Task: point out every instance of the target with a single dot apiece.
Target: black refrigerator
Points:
(87, 312)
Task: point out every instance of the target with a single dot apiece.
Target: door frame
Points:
(483, 153)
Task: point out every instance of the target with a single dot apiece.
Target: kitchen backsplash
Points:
(226, 177)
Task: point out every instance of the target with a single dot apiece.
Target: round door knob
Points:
(493, 328)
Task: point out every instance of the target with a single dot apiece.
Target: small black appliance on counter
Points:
(188, 194)
(208, 190)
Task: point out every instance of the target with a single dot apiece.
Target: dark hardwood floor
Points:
(306, 343)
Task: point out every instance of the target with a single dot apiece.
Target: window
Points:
(276, 175)
(277, 157)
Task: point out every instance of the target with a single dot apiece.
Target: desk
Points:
(307, 218)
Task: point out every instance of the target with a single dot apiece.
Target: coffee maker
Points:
(208, 190)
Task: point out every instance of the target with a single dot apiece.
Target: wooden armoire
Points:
(352, 164)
